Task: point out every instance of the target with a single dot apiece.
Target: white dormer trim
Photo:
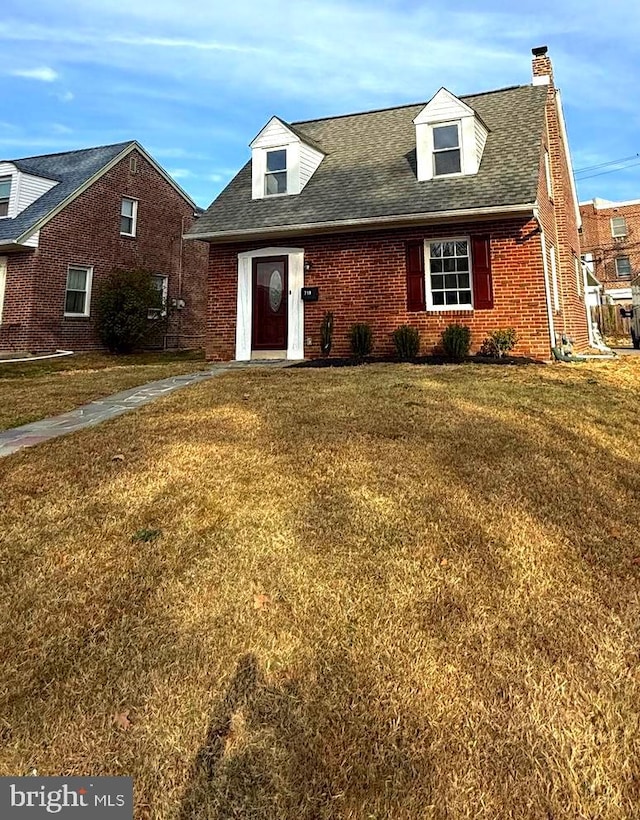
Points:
(445, 108)
(25, 188)
(302, 159)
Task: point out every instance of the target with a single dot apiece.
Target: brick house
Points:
(457, 210)
(610, 243)
(67, 220)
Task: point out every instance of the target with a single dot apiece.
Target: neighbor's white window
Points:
(618, 226)
(275, 177)
(5, 193)
(128, 216)
(623, 266)
(78, 295)
(161, 284)
(446, 149)
(448, 275)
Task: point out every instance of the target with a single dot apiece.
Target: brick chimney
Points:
(542, 68)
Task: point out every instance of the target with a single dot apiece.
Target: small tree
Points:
(126, 301)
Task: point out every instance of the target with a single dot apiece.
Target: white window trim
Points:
(134, 215)
(622, 275)
(435, 150)
(618, 235)
(4, 178)
(267, 173)
(427, 273)
(87, 301)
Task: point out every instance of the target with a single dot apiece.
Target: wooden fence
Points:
(610, 322)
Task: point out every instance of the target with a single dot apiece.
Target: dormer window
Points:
(5, 193)
(275, 178)
(450, 138)
(446, 149)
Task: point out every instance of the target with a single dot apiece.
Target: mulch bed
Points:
(337, 361)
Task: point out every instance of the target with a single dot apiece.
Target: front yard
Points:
(382, 592)
(30, 391)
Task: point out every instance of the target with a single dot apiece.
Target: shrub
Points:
(456, 341)
(361, 339)
(407, 342)
(123, 307)
(326, 333)
(499, 342)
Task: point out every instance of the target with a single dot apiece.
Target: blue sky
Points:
(195, 82)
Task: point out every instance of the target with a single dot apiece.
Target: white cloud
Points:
(45, 74)
(180, 173)
(66, 96)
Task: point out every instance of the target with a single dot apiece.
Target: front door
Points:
(270, 291)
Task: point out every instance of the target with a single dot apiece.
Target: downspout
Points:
(180, 266)
(547, 290)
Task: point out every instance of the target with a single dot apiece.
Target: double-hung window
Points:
(128, 216)
(449, 284)
(623, 266)
(275, 178)
(618, 226)
(161, 285)
(78, 293)
(5, 193)
(446, 149)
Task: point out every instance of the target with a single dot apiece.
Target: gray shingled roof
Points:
(70, 169)
(369, 170)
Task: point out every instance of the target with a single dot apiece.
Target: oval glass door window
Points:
(275, 291)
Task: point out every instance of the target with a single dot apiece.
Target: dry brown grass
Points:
(31, 391)
(385, 592)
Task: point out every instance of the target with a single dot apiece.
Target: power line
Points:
(610, 171)
(604, 164)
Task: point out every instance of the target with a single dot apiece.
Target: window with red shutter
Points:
(481, 274)
(415, 276)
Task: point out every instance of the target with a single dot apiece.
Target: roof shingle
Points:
(369, 170)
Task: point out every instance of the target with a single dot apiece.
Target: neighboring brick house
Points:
(67, 220)
(461, 210)
(610, 243)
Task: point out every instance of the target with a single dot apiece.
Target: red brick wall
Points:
(87, 232)
(596, 239)
(362, 277)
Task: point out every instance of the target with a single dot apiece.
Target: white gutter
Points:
(362, 224)
(547, 291)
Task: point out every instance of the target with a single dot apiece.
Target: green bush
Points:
(326, 333)
(124, 304)
(361, 339)
(407, 342)
(456, 341)
(499, 342)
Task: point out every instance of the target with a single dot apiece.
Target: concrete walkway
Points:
(17, 438)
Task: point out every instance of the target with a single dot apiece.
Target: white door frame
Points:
(295, 305)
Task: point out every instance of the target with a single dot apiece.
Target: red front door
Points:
(270, 303)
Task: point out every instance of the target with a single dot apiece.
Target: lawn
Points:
(379, 592)
(30, 391)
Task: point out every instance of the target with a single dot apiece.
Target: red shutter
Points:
(482, 281)
(415, 276)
